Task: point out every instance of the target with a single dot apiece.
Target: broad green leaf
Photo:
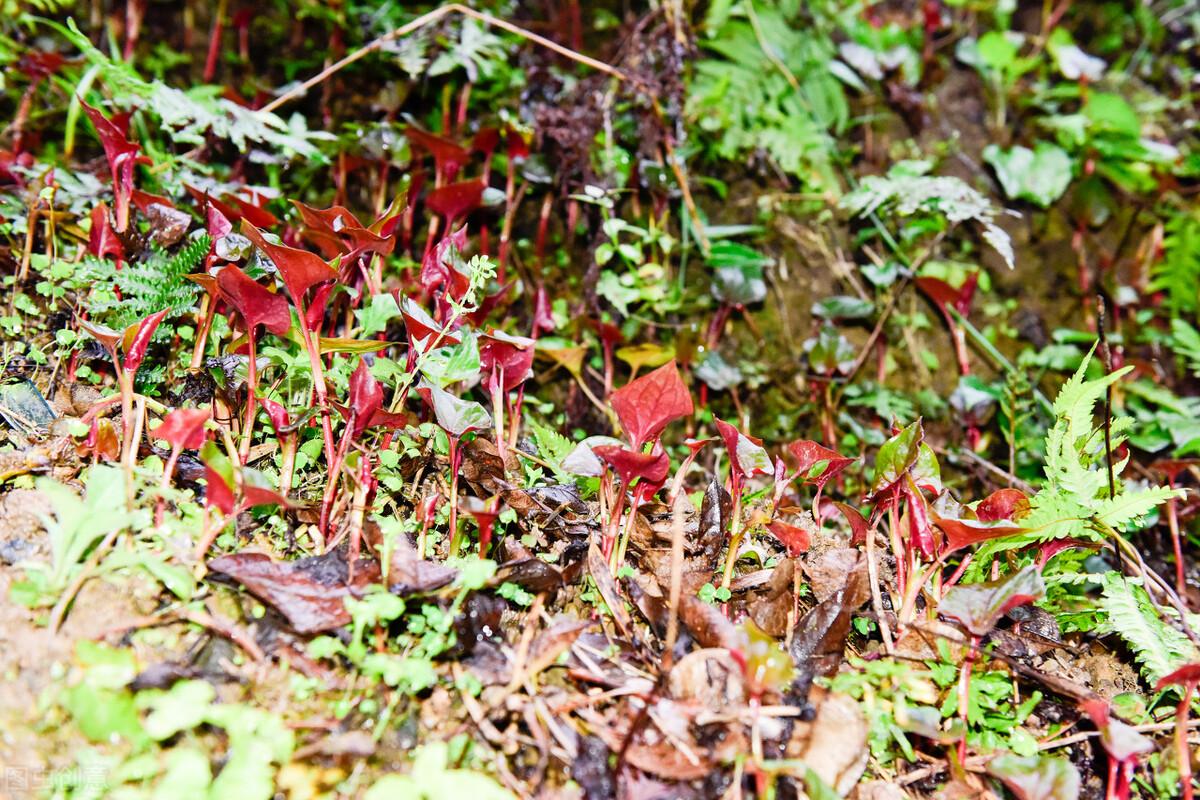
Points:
(1040, 175)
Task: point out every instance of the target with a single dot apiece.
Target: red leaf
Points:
(280, 419)
(486, 141)
(1187, 674)
(137, 339)
(314, 315)
(543, 318)
(335, 231)
(437, 269)
(122, 156)
(256, 304)
(102, 239)
(216, 224)
(218, 493)
(650, 403)
(448, 157)
(856, 521)
(746, 455)
(1170, 468)
(261, 496)
(1004, 504)
(423, 331)
(253, 213)
(456, 200)
(796, 540)
(366, 397)
(299, 269)
(183, 428)
(502, 354)
(809, 453)
(962, 533)
(945, 295)
(40, 63)
(629, 464)
(516, 144)
(979, 606)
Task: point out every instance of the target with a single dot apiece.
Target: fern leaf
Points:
(1178, 273)
(906, 191)
(1158, 648)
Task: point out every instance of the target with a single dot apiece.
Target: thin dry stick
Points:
(885, 629)
(81, 577)
(524, 33)
(676, 589)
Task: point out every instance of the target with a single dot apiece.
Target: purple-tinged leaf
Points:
(137, 339)
(300, 270)
(979, 606)
(1036, 777)
(455, 415)
(256, 304)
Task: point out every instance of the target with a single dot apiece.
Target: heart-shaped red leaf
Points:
(122, 156)
(300, 270)
(280, 419)
(448, 156)
(437, 268)
(1187, 674)
(183, 428)
(454, 201)
(808, 454)
(366, 397)
(137, 338)
(946, 296)
(797, 540)
(979, 606)
(647, 405)
(1003, 504)
(506, 360)
(256, 304)
(746, 454)
(962, 533)
(102, 239)
(629, 464)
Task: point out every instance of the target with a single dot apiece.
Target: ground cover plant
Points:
(552, 399)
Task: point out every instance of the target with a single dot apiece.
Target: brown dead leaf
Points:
(598, 569)
(408, 574)
(834, 743)
(308, 592)
(711, 678)
(771, 609)
(707, 625)
(827, 570)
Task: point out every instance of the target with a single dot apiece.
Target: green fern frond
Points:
(906, 190)
(1075, 502)
(1158, 647)
(1178, 273)
(121, 297)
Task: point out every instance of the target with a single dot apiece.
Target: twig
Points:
(885, 628)
(85, 572)
(676, 589)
